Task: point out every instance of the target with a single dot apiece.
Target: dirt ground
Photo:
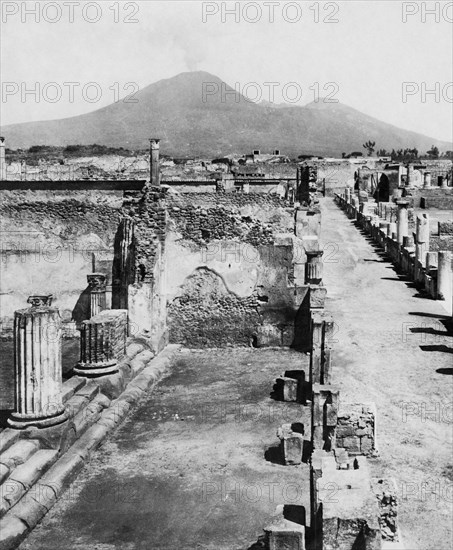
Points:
(194, 467)
(393, 348)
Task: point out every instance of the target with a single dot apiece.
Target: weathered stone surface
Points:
(356, 430)
(291, 444)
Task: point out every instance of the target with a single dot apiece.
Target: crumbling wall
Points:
(230, 270)
(356, 428)
(48, 245)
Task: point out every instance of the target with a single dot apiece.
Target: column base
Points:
(96, 369)
(22, 422)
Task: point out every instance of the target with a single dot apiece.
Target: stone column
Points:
(421, 243)
(314, 267)
(2, 160)
(444, 275)
(402, 227)
(427, 180)
(102, 343)
(97, 284)
(347, 194)
(154, 162)
(37, 360)
(410, 175)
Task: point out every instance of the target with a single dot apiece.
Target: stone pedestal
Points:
(292, 444)
(37, 359)
(102, 343)
(314, 267)
(402, 226)
(97, 284)
(444, 275)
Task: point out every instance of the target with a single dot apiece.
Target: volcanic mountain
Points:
(195, 116)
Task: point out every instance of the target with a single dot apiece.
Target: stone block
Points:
(351, 444)
(289, 387)
(345, 431)
(317, 296)
(366, 444)
(283, 533)
(292, 444)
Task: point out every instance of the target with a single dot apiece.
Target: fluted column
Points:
(402, 227)
(102, 343)
(37, 360)
(97, 284)
(314, 267)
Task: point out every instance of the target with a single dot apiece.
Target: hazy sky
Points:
(366, 50)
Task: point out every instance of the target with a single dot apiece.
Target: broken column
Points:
(97, 284)
(102, 343)
(2, 160)
(402, 227)
(421, 243)
(444, 275)
(314, 267)
(426, 180)
(154, 162)
(410, 175)
(37, 360)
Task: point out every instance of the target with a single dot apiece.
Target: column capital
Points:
(40, 300)
(96, 282)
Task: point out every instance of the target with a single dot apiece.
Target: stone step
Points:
(81, 398)
(15, 455)
(72, 386)
(89, 414)
(23, 477)
(7, 438)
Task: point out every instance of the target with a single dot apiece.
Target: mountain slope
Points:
(221, 123)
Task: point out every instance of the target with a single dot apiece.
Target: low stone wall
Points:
(356, 429)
